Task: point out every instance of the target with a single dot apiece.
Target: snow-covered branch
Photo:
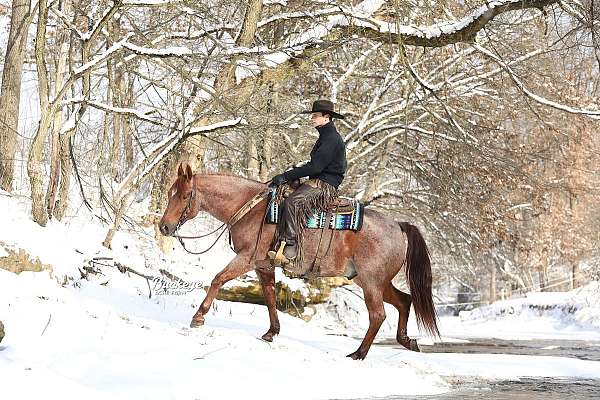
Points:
(160, 150)
(436, 35)
(151, 3)
(98, 59)
(595, 114)
(112, 109)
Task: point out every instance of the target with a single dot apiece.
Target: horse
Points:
(375, 253)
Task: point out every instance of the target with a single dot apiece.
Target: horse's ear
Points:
(188, 172)
(180, 170)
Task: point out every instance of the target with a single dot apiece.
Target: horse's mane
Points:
(229, 176)
(179, 182)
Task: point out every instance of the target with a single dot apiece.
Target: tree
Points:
(10, 92)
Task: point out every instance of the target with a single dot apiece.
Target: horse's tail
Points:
(418, 276)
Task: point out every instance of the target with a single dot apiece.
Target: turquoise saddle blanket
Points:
(346, 218)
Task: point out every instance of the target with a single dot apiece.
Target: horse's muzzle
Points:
(166, 229)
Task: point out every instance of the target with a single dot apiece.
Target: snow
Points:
(69, 124)
(592, 113)
(111, 336)
(88, 35)
(174, 51)
(105, 107)
(163, 147)
(571, 315)
(143, 348)
(246, 69)
(501, 366)
(150, 3)
(218, 125)
(103, 336)
(98, 59)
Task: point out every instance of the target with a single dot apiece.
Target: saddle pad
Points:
(345, 220)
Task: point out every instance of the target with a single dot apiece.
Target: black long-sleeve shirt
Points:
(327, 158)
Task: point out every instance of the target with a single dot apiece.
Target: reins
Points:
(226, 226)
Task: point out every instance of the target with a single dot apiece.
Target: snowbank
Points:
(102, 341)
(104, 337)
(109, 336)
(571, 315)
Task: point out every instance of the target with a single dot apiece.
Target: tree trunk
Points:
(158, 200)
(266, 148)
(252, 166)
(543, 278)
(10, 92)
(574, 282)
(34, 162)
(114, 78)
(493, 284)
(121, 208)
(126, 88)
(377, 175)
(55, 159)
(65, 175)
(266, 156)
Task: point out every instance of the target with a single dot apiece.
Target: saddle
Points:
(345, 213)
(341, 203)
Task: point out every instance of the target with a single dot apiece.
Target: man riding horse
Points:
(325, 170)
(374, 254)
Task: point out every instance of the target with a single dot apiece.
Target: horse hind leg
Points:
(402, 302)
(374, 301)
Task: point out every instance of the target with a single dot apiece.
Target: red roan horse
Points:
(375, 254)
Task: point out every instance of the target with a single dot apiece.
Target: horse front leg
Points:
(237, 267)
(267, 284)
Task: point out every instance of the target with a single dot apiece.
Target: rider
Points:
(325, 170)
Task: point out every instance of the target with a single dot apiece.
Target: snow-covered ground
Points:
(113, 342)
(573, 315)
(103, 337)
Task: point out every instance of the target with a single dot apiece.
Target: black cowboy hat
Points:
(325, 107)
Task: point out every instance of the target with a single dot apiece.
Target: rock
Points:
(337, 281)
(19, 261)
(1, 331)
(290, 301)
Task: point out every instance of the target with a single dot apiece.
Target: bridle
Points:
(186, 210)
(225, 226)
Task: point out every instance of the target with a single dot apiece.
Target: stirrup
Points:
(277, 257)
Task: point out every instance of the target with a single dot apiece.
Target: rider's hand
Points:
(278, 180)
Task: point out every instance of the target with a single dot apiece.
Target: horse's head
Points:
(183, 202)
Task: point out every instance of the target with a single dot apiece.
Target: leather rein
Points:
(225, 226)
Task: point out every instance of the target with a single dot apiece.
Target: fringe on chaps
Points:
(317, 199)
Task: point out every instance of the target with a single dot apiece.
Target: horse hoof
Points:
(267, 337)
(409, 344)
(414, 346)
(356, 356)
(197, 322)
